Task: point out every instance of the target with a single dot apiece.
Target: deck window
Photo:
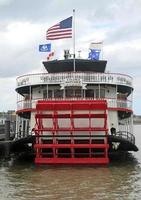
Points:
(90, 93)
(102, 93)
(44, 94)
(50, 94)
(77, 93)
(58, 94)
(73, 93)
(69, 93)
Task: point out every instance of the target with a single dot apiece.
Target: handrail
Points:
(112, 103)
(126, 135)
(84, 78)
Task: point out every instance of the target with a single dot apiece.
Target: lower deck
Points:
(75, 132)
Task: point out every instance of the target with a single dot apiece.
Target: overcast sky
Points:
(23, 25)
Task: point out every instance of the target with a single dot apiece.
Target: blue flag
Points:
(94, 54)
(45, 47)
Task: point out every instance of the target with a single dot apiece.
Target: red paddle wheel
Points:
(71, 132)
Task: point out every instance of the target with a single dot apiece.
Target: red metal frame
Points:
(52, 148)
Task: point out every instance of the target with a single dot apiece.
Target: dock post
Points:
(7, 138)
(7, 130)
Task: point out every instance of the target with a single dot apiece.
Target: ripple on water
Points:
(121, 180)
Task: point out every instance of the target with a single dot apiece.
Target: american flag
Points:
(60, 30)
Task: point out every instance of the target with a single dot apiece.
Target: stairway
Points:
(71, 132)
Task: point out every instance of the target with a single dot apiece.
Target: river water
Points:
(120, 180)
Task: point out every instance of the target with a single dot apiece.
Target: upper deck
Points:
(61, 72)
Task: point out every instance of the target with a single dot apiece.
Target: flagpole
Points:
(74, 40)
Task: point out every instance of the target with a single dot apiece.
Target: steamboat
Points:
(75, 117)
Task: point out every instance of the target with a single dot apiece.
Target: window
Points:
(89, 93)
(102, 93)
(97, 93)
(44, 94)
(69, 93)
(58, 93)
(77, 93)
(49, 93)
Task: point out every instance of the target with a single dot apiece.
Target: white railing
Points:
(85, 78)
(112, 103)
